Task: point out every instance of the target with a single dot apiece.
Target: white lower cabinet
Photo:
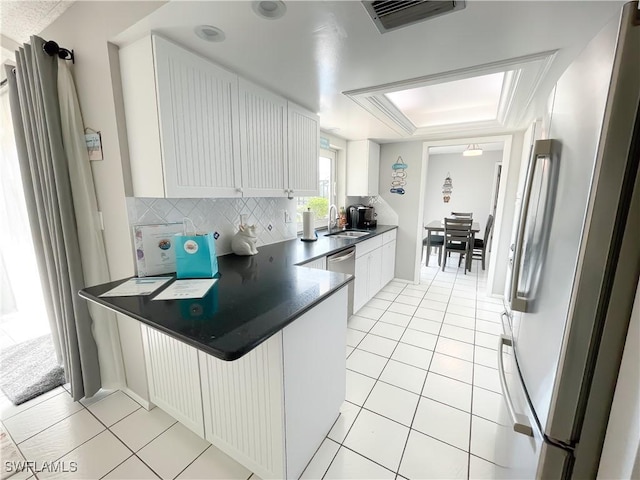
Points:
(375, 266)
(269, 410)
(375, 272)
(388, 262)
(173, 378)
(360, 287)
(243, 405)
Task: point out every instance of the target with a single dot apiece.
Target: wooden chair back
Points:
(457, 229)
(462, 214)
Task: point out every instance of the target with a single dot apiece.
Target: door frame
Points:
(495, 188)
(507, 141)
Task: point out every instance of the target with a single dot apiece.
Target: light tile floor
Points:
(423, 400)
(423, 394)
(112, 437)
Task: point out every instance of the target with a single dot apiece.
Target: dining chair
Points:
(432, 241)
(457, 238)
(480, 244)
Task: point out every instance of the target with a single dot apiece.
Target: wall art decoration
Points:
(447, 188)
(398, 176)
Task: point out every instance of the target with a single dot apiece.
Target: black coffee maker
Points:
(361, 217)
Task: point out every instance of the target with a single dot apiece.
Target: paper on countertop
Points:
(195, 288)
(137, 286)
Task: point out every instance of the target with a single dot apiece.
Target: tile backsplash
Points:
(221, 215)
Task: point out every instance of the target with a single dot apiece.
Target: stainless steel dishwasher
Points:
(344, 262)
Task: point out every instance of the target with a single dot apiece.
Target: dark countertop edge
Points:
(354, 241)
(227, 356)
(236, 354)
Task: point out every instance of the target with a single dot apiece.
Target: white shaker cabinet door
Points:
(388, 262)
(263, 140)
(375, 273)
(198, 115)
(304, 142)
(360, 287)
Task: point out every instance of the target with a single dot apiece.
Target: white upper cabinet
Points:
(363, 168)
(198, 130)
(182, 122)
(263, 139)
(304, 143)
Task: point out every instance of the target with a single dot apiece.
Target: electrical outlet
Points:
(287, 216)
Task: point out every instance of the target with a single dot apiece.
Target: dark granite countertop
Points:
(254, 297)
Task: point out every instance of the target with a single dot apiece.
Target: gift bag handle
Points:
(185, 231)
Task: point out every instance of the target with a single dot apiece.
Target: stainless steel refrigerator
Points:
(574, 266)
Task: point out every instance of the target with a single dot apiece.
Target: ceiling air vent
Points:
(389, 15)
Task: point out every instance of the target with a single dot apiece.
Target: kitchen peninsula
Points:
(257, 366)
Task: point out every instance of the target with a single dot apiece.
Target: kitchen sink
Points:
(348, 234)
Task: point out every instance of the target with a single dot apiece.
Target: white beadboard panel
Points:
(263, 129)
(198, 124)
(244, 409)
(314, 378)
(221, 215)
(174, 378)
(304, 142)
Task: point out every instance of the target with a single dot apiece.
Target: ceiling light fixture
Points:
(473, 150)
(270, 9)
(209, 33)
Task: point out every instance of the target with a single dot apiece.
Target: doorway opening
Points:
(453, 182)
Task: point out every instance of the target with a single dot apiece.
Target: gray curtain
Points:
(45, 174)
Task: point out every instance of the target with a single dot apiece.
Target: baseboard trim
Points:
(145, 403)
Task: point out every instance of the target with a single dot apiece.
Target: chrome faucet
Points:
(332, 222)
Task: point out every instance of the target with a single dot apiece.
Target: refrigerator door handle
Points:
(542, 149)
(520, 422)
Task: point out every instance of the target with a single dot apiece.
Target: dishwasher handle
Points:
(341, 258)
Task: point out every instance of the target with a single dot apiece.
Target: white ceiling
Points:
(21, 19)
(320, 49)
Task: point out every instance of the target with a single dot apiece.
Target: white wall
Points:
(504, 225)
(407, 206)
(86, 27)
(472, 185)
(621, 450)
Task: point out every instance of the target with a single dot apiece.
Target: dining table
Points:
(438, 226)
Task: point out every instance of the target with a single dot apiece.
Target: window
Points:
(327, 192)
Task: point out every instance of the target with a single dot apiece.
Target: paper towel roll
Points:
(308, 231)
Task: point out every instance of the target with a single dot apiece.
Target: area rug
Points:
(11, 457)
(29, 369)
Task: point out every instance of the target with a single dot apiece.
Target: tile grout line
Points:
(473, 373)
(197, 457)
(476, 281)
(341, 443)
(367, 397)
(415, 412)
